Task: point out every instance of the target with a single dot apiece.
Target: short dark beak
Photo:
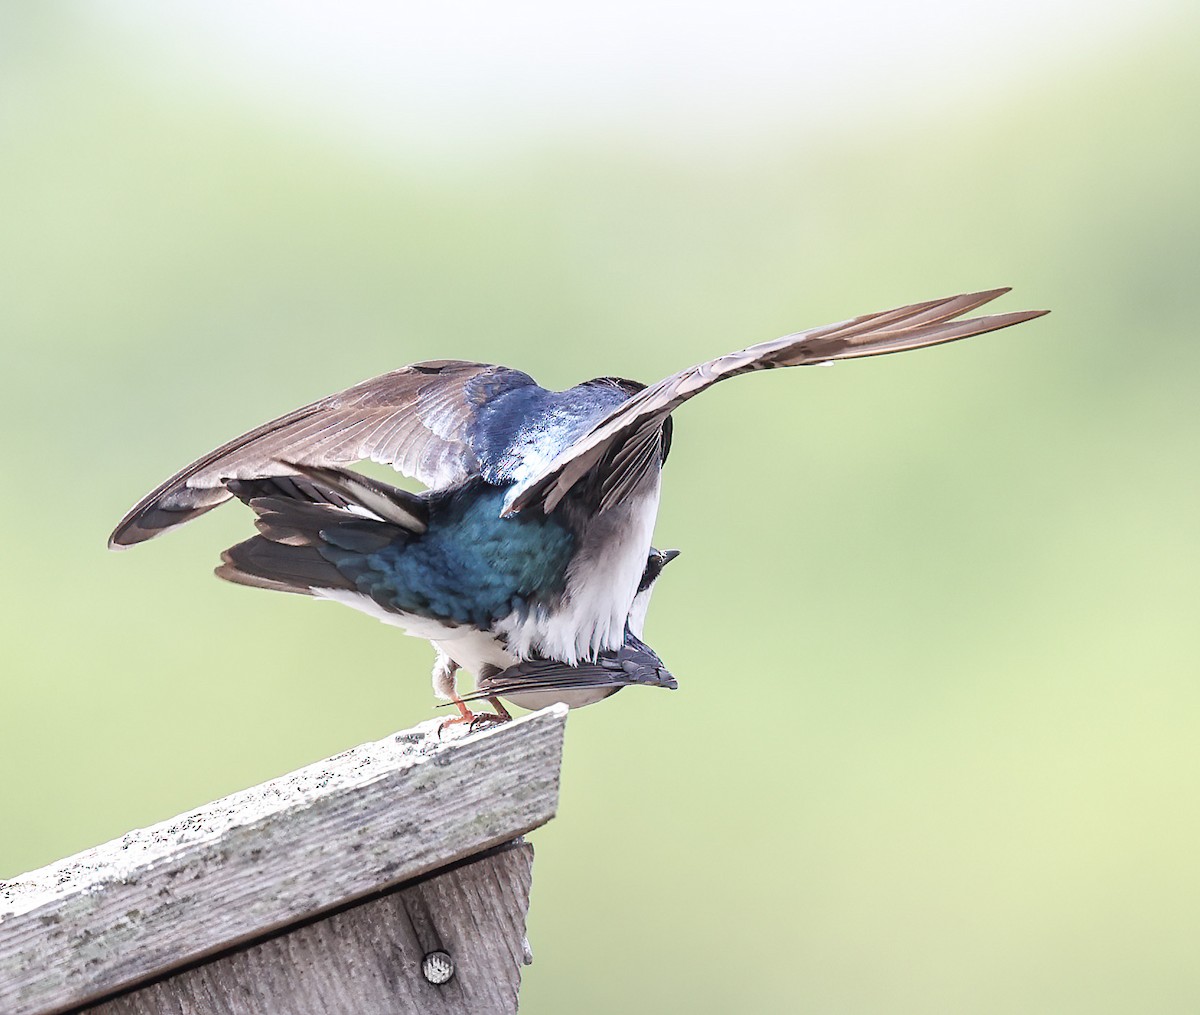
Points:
(668, 556)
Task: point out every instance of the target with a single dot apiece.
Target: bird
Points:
(535, 683)
(532, 537)
(349, 536)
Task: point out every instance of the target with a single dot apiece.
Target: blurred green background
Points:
(935, 743)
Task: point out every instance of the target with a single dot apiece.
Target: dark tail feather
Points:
(263, 564)
(304, 519)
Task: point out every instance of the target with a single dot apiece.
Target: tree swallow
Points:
(533, 537)
(337, 534)
(535, 683)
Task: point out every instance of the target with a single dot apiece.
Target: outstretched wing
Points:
(418, 419)
(620, 447)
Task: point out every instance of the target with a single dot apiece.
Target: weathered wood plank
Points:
(270, 856)
(368, 958)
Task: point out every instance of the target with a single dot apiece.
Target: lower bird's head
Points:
(655, 562)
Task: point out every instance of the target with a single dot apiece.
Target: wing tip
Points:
(128, 533)
(987, 295)
(131, 531)
(999, 321)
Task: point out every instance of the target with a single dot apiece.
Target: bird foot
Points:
(482, 720)
(475, 720)
(457, 720)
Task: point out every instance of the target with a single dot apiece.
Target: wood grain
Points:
(252, 863)
(368, 958)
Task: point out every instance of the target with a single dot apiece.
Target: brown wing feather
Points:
(415, 418)
(621, 434)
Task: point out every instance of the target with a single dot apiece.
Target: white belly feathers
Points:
(601, 582)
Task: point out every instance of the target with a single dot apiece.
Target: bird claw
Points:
(482, 720)
(456, 720)
(475, 720)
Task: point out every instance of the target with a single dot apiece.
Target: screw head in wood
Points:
(438, 968)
